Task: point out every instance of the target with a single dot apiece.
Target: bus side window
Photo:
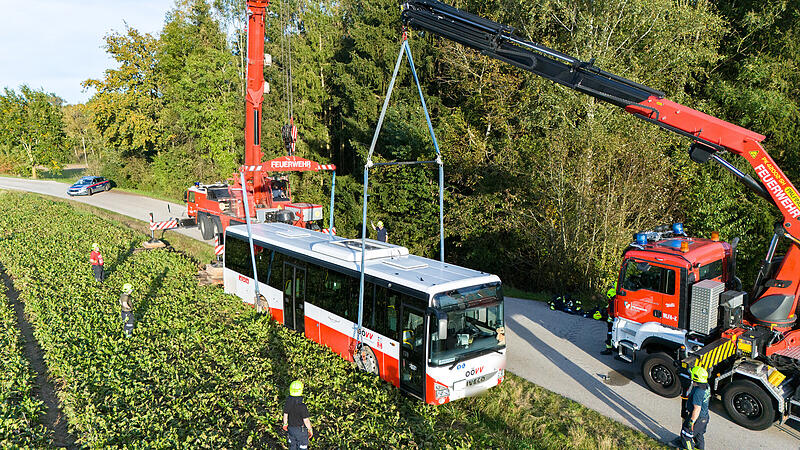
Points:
(369, 305)
(315, 286)
(337, 293)
(386, 310)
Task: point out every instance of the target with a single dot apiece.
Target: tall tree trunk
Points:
(29, 151)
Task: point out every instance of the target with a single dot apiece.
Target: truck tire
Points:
(748, 405)
(216, 226)
(205, 226)
(661, 375)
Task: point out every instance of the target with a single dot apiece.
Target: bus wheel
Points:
(206, 228)
(660, 375)
(748, 405)
(366, 360)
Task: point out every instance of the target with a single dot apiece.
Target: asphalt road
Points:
(555, 350)
(561, 352)
(132, 205)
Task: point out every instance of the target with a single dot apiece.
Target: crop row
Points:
(201, 369)
(20, 410)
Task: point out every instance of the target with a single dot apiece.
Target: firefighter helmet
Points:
(699, 374)
(127, 288)
(296, 388)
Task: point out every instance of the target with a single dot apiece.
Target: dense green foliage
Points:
(204, 370)
(20, 410)
(31, 131)
(544, 186)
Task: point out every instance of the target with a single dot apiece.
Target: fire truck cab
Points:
(653, 307)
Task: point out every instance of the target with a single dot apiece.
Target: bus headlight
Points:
(441, 391)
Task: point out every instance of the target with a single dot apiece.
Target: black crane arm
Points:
(499, 42)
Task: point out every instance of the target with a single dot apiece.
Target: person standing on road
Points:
(295, 418)
(610, 294)
(126, 306)
(694, 427)
(96, 260)
(383, 235)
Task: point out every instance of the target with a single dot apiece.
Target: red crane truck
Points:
(216, 206)
(678, 299)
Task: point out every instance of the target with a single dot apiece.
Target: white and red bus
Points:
(433, 329)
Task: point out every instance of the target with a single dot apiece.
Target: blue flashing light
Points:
(672, 243)
(677, 228)
(641, 238)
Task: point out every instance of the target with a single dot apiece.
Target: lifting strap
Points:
(289, 130)
(404, 49)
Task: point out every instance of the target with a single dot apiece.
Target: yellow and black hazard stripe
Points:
(715, 353)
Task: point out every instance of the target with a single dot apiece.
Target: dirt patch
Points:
(54, 418)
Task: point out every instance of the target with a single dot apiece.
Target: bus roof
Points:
(389, 262)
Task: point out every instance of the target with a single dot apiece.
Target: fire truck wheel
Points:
(660, 375)
(206, 228)
(748, 405)
(366, 360)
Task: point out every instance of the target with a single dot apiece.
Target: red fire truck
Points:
(678, 300)
(216, 206)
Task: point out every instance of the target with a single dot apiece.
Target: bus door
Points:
(294, 292)
(412, 350)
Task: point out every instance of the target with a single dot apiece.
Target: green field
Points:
(202, 370)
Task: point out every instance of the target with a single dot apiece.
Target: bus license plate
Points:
(475, 381)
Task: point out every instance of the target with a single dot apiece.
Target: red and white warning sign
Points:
(219, 248)
(165, 225)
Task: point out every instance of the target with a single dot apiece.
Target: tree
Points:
(33, 127)
(549, 184)
(82, 135)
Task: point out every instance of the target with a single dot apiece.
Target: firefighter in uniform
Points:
(696, 421)
(611, 293)
(126, 307)
(295, 418)
(96, 260)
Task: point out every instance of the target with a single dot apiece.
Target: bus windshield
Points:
(474, 323)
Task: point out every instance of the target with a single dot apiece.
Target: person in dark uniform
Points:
(696, 412)
(295, 418)
(126, 307)
(383, 235)
(611, 293)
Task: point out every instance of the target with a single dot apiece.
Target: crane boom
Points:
(711, 134)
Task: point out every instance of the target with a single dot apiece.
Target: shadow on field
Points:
(600, 390)
(122, 257)
(155, 285)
